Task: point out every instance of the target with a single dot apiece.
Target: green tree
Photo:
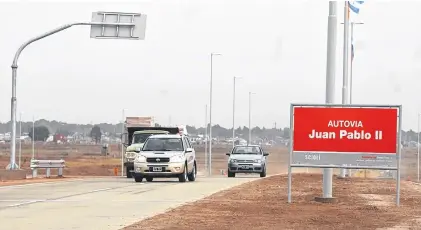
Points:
(96, 133)
(41, 133)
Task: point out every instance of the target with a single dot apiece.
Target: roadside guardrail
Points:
(47, 165)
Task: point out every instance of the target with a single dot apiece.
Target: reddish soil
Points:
(262, 204)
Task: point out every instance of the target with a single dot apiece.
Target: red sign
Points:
(365, 130)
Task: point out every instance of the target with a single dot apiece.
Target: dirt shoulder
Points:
(262, 204)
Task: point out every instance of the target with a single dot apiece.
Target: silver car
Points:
(247, 159)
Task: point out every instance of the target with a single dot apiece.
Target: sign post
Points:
(346, 136)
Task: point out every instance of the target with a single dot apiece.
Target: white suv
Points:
(166, 156)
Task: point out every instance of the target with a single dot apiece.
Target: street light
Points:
(250, 93)
(128, 26)
(233, 113)
(20, 140)
(33, 138)
(206, 136)
(122, 143)
(210, 112)
(418, 148)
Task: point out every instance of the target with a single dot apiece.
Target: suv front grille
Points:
(158, 159)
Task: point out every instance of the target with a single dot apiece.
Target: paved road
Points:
(100, 203)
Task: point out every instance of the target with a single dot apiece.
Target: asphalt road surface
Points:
(99, 203)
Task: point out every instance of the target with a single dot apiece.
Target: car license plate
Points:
(245, 167)
(157, 169)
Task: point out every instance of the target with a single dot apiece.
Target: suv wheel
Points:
(138, 178)
(183, 177)
(128, 173)
(263, 173)
(231, 174)
(192, 175)
(149, 179)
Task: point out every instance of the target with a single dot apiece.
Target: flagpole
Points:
(352, 59)
(345, 79)
(351, 64)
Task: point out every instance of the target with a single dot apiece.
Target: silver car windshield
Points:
(163, 144)
(254, 150)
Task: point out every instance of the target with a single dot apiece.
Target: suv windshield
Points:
(140, 138)
(163, 144)
(246, 150)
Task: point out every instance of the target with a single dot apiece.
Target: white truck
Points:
(134, 124)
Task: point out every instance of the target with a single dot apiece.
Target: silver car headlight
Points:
(140, 159)
(233, 160)
(177, 159)
(257, 161)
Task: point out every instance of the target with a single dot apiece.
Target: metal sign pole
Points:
(291, 143)
(398, 176)
(330, 84)
(330, 98)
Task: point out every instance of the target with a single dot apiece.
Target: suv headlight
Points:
(140, 159)
(257, 161)
(130, 155)
(177, 159)
(233, 160)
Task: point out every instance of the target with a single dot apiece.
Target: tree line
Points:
(44, 128)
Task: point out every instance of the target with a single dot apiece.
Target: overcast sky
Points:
(278, 47)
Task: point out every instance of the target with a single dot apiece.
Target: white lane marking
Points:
(24, 203)
(99, 190)
(58, 199)
(39, 183)
(15, 200)
(46, 201)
